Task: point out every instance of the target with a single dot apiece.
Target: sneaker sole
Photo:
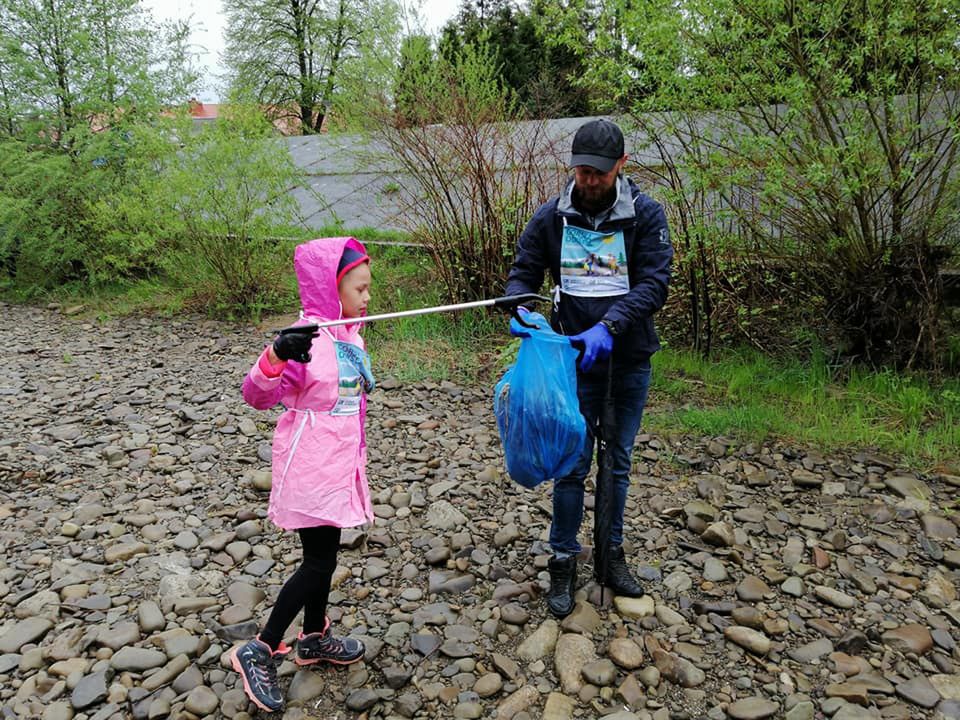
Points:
(235, 661)
(301, 662)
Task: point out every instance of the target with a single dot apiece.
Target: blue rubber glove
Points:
(518, 330)
(597, 344)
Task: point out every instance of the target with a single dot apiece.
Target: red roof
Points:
(204, 111)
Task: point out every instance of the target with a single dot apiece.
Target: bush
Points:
(43, 219)
(470, 184)
(208, 203)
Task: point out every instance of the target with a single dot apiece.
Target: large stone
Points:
(678, 670)
(625, 653)
(137, 659)
(90, 690)
(201, 701)
(305, 685)
(634, 608)
(939, 591)
(748, 638)
(119, 635)
(150, 617)
(948, 686)
(45, 604)
(805, 478)
(752, 589)
(599, 672)
(488, 685)
(124, 551)
(938, 528)
(811, 651)
(166, 674)
(919, 691)
(520, 700)
(908, 486)
(719, 533)
(541, 642)
(572, 653)
(835, 597)
(752, 708)
(911, 638)
(442, 515)
(558, 707)
(849, 692)
(29, 630)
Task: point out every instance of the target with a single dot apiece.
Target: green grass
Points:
(753, 397)
(458, 346)
(121, 299)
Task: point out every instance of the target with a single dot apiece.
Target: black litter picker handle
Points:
(306, 329)
(513, 303)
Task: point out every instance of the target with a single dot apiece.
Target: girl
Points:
(319, 455)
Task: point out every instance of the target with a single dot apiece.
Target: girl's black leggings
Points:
(307, 588)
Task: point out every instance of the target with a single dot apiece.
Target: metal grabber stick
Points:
(604, 489)
(510, 302)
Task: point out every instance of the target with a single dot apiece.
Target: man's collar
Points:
(621, 208)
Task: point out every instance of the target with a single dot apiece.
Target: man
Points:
(607, 248)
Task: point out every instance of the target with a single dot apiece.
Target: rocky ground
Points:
(135, 553)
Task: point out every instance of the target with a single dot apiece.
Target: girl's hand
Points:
(294, 343)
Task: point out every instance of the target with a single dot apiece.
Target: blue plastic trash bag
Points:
(537, 411)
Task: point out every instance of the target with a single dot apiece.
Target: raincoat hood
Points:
(315, 263)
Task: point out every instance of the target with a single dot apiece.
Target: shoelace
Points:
(331, 645)
(266, 670)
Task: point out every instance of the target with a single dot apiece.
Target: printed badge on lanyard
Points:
(593, 264)
(355, 376)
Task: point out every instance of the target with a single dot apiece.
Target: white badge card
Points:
(593, 264)
(350, 363)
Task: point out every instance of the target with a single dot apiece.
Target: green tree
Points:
(75, 77)
(605, 45)
(304, 58)
(844, 189)
(416, 63)
(70, 65)
(534, 67)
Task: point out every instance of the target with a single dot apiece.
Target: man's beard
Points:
(595, 204)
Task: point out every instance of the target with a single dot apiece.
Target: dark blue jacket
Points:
(649, 254)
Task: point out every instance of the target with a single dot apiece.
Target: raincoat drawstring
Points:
(308, 416)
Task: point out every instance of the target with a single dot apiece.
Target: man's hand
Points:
(597, 344)
(294, 343)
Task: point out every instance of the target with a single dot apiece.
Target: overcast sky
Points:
(208, 27)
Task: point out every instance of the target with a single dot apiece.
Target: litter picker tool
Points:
(603, 491)
(510, 303)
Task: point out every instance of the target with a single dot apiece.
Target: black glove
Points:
(293, 343)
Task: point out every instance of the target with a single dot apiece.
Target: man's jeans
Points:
(630, 397)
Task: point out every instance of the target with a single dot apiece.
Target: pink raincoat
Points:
(319, 447)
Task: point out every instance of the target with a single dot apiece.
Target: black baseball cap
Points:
(599, 144)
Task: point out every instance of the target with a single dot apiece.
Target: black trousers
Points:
(308, 587)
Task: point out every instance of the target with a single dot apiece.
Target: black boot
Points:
(619, 578)
(563, 580)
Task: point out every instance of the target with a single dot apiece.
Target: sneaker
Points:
(326, 647)
(257, 665)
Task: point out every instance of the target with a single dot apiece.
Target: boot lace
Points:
(331, 645)
(264, 671)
